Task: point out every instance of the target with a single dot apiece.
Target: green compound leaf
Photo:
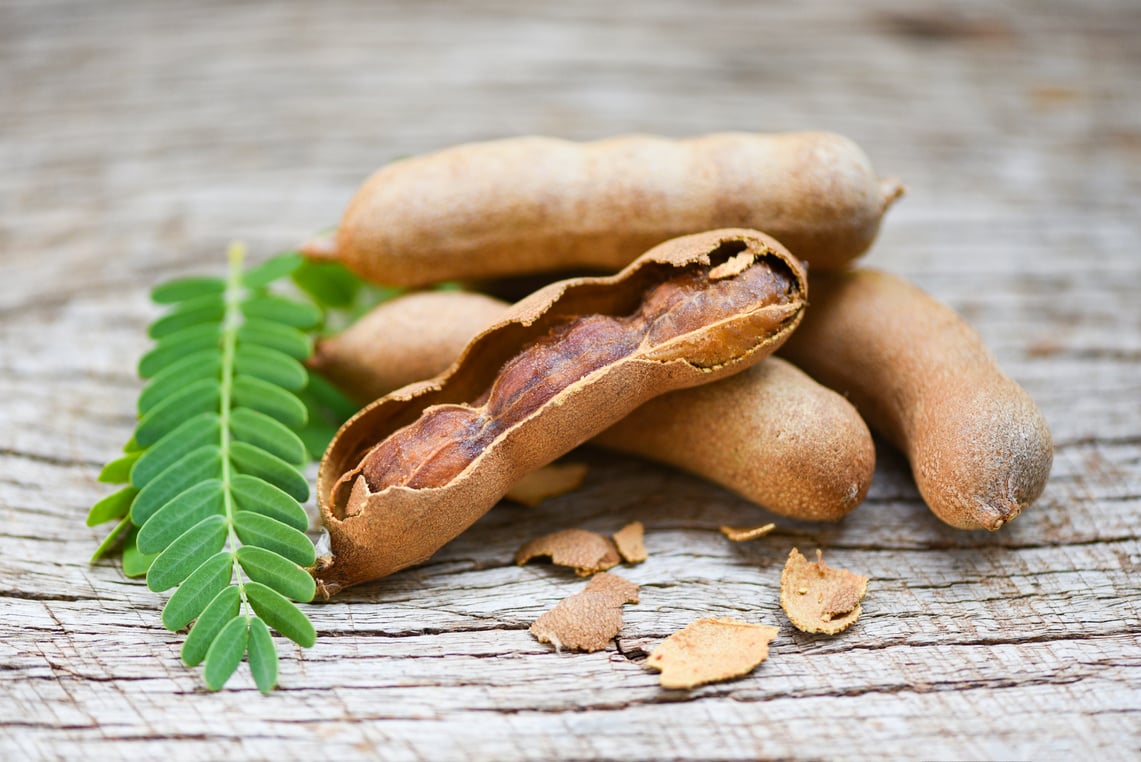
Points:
(202, 396)
(192, 468)
(274, 401)
(183, 289)
(332, 405)
(278, 309)
(226, 652)
(178, 345)
(187, 553)
(210, 622)
(202, 309)
(197, 591)
(272, 269)
(254, 529)
(329, 284)
(257, 462)
(279, 573)
(263, 656)
(202, 429)
(180, 514)
(114, 506)
(206, 363)
(283, 338)
(259, 496)
(135, 564)
(112, 539)
(270, 365)
(212, 472)
(281, 614)
(118, 471)
(259, 430)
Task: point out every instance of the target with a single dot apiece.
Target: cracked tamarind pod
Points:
(770, 433)
(979, 447)
(536, 204)
(414, 469)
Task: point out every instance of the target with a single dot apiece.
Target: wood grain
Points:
(137, 138)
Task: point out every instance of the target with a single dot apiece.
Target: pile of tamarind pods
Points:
(663, 358)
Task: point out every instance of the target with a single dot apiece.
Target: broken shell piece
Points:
(744, 534)
(586, 552)
(710, 651)
(819, 598)
(588, 620)
(630, 544)
(548, 481)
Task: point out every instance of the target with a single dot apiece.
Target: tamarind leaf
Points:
(182, 289)
(270, 365)
(201, 309)
(277, 572)
(328, 401)
(181, 513)
(194, 467)
(269, 533)
(187, 553)
(206, 363)
(212, 473)
(329, 284)
(210, 622)
(256, 495)
(118, 471)
(278, 309)
(193, 433)
(201, 396)
(226, 652)
(283, 338)
(316, 437)
(114, 506)
(174, 347)
(135, 562)
(281, 614)
(111, 539)
(272, 400)
(198, 590)
(254, 461)
(262, 656)
(259, 430)
(272, 269)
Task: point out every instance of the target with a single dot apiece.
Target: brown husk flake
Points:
(819, 598)
(587, 620)
(548, 481)
(710, 651)
(744, 534)
(586, 552)
(630, 544)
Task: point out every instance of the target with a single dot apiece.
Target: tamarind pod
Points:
(406, 339)
(415, 468)
(979, 447)
(536, 204)
(770, 433)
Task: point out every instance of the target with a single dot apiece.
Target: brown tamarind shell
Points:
(373, 534)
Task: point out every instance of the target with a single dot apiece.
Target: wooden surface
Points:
(137, 138)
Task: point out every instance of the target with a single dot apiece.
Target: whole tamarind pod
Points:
(415, 468)
(406, 339)
(979, 447)
(535, 204)
(770, 433)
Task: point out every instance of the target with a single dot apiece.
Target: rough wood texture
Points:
(136, 138)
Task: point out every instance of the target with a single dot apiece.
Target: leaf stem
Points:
(232, 320)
